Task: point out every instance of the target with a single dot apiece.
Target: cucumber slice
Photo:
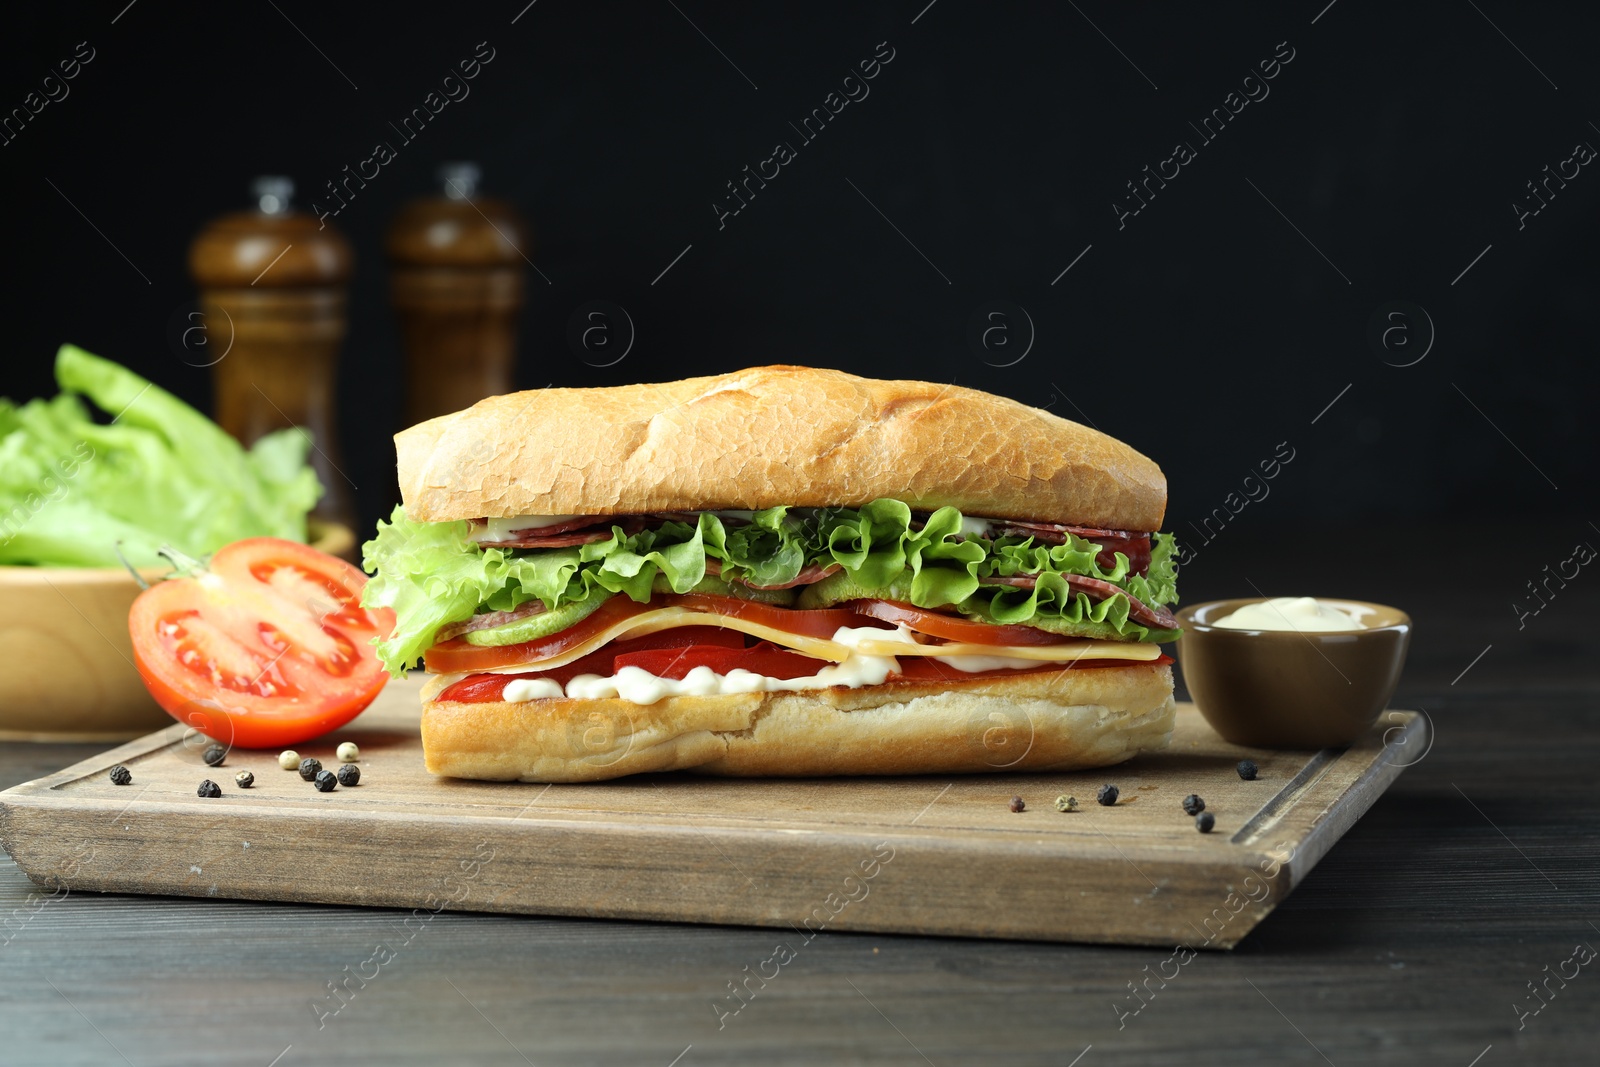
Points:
(542, 625)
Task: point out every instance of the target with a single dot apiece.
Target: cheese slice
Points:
(658, 619)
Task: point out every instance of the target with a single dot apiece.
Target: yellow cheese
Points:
(658, 619)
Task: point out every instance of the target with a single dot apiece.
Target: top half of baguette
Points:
(767, 436)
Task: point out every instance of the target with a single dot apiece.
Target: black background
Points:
(1205, 332)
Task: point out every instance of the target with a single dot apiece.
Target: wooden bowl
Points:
(69, 673)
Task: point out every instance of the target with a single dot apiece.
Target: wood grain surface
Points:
(909, 855)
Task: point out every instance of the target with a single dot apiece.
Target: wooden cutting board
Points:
(932, 855)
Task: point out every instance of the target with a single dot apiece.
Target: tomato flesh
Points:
(765, 658)
(268, 646)
(954, 627)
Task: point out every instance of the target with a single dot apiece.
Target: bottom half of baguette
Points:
(1038, 721)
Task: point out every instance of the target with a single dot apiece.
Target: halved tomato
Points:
(267, 646)
(954, 627)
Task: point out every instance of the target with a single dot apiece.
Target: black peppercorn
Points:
(309, 768)
(1204, 822)
(325, 781)
(1193, 805)
(1108, 795)
(208, 788)
(245, 779)
(1018, 804)
(349, 774)
(120, 775)
(1247, 769)
(214, 755)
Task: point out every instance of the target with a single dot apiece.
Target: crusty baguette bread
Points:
(1054, 720)
(767, 436)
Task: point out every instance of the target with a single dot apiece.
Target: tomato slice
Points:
(457, 655)
(600, 660)
(268, 646)
(954, 627)
(765, 658)
(811, 622)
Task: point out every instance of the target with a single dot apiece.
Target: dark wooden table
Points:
(1414, 942)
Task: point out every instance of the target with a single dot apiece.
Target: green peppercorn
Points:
(325, 781)
(208, 788)
(120, 775)
(1066, 803)
(349, 774)
(309, 768)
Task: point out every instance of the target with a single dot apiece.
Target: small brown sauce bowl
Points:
(1285, 689)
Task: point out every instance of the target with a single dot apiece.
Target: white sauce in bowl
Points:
(1302, 614)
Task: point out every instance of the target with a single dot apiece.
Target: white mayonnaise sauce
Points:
(1303, 614)
(531, 689)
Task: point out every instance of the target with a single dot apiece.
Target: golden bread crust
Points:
(767, 436)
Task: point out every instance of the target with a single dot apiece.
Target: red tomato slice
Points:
(457, 655)
(269, 646)
(489, 686)
(663, 662)
(765, 658)
(954, 627)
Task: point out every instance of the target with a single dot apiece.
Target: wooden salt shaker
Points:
(273, 286)
(457, 284)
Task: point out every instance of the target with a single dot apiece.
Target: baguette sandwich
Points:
(781, 571)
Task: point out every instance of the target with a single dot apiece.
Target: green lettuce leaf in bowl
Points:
(150, 471)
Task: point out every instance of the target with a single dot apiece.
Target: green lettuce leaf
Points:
(153, 472)
(433, 577)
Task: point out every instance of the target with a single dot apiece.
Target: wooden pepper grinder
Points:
(458, 289)
(273, 285)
